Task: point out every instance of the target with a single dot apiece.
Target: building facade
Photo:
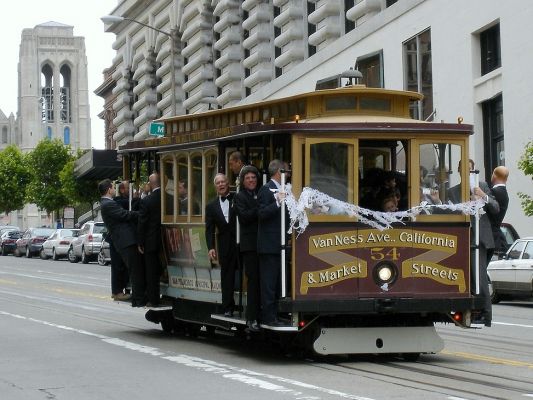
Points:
(53, 100)
(467, 58)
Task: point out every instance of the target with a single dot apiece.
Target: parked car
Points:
(5, 228)
(8, 241)
(512, 277)
(58, 243)
(104, 256)
(87, 245)
(31, 241)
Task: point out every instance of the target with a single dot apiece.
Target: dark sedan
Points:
(31, 241)
(8, 241)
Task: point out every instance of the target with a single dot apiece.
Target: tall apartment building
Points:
(467, 58)
(53, 99)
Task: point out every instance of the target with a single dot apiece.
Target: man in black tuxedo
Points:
(269, 201)
(499, 190)
(119, 224)
(149, 238)
(220, 227)
(246, 207)
(486, 244)
(119, 271)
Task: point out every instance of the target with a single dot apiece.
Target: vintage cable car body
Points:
(350, 287)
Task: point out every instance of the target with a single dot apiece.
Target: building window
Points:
(490, 49)
(493, 134)
(311, 28)
(66, 135)
(349, 25)
(49, 132)
(418, 73)
(4, 135)
(371, 66)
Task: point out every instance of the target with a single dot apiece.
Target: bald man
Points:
(499, 190)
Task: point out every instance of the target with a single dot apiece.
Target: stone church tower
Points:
(53, 87)
(53, 101)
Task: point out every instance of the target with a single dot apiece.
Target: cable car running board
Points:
(378, 340)
(240, 321)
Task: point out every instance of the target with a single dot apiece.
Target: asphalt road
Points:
(62, 337)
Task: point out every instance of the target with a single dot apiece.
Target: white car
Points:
(58, 243)
(512, 277)
(87, 245)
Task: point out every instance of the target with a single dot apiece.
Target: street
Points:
(64, 338)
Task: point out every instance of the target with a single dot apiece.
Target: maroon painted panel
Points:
(336, 261)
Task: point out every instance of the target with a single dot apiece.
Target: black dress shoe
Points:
(136, 303)
(253, 326)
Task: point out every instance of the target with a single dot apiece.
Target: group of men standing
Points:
(258, 243)
(135, 240)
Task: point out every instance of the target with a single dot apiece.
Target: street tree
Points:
(14, 179)
(78, 192)
(46, 162)
(526, 165)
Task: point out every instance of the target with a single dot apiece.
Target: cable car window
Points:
(341, 103)
(168, 187)
(368, 103)
(439, 180)
(196, 184)
(331, 169)
(210, 172)
(183, 187)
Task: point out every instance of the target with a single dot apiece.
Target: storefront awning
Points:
(98, 164)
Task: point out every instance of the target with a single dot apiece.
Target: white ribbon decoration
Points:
(321, 203)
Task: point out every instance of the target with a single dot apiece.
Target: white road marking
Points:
(456, 398)
(509, 324)
(52, 279)
(248, 377)
(528, 395)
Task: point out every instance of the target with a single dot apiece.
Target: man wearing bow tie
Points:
(220, 229)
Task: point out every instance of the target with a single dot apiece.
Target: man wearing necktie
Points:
(220, 230)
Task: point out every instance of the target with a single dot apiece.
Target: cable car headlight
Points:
(385, 273)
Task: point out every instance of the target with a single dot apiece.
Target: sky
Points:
(84, 16)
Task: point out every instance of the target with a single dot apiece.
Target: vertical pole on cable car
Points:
(130, 194)
(476, 257)
(283, 266)
(239, 262)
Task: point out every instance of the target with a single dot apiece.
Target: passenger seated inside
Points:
(379, 184)
(428, 192)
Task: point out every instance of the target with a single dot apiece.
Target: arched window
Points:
(49, 132)
(66, 135)
(47, 93)
(64, 98)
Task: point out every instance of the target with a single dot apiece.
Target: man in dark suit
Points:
(119, 224)
(486, 243)
(269, 201)
(499, 190)
(149, 238)
(220, 228)
(246, 207)
(119, 271)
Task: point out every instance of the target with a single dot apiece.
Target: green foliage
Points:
(77, 192)
(14, 179)
(46, 161)
(526, 165)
